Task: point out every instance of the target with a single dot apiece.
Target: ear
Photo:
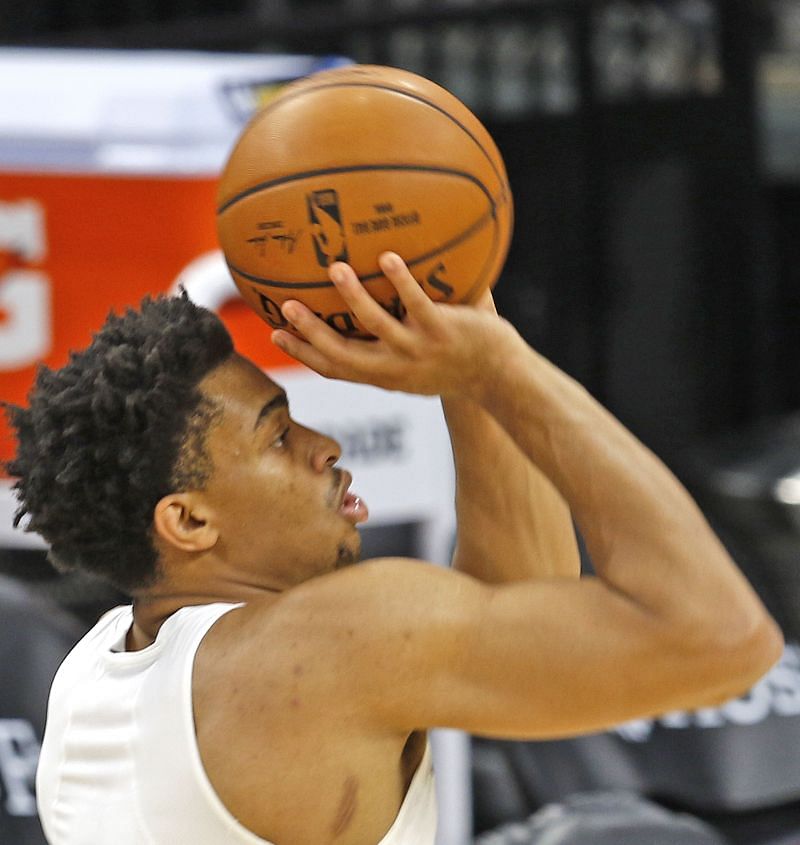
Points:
(183, 521)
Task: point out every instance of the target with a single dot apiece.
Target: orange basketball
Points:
(348, 163)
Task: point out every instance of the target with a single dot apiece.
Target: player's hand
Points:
(435, 349)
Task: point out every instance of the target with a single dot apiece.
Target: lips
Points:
(351, 507)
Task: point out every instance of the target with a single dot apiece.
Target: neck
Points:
(152, 609)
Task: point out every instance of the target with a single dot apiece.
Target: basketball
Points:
(349, 163)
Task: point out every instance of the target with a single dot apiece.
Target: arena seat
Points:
(604, 818)
(35, 635)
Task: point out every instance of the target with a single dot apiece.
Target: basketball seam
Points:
(326, 283)
(267, 109)
(328, 171)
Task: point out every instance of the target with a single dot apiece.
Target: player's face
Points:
(282, 508)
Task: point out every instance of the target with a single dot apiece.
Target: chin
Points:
(348, 553)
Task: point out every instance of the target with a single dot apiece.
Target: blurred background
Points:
(653, 149)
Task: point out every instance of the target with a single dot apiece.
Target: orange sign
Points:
(72, 248)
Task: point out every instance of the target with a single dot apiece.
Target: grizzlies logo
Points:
(327, 231)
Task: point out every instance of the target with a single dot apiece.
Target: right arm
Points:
(513, 531)
(668, 623)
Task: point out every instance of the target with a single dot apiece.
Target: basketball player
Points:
(262, 690)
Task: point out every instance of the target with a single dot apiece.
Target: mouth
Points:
(350, 506)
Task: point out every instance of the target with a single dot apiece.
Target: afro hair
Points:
(109, 434)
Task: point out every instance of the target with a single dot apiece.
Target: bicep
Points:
(552, 658)
(528, 660)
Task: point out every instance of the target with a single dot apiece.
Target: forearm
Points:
(647, 538)
(512, 523)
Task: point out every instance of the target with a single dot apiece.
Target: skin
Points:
(317, 693)
(273, 482)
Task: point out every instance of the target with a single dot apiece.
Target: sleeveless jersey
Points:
(120, 763)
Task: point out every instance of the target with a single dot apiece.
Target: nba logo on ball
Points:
(327, 231)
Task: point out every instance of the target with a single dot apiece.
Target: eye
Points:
(280, 441)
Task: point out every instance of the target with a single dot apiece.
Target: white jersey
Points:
(120, 763)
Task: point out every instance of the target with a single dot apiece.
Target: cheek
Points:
(249, 486)
(279, 495)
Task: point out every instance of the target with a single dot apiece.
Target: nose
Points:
(326, 452)
(323, 451)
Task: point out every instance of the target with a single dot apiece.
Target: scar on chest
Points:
(347, 806)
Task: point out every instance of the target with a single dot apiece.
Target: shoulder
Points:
(348, 631)
(376, 595)
(359, 600)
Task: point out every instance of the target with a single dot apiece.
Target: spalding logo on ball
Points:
(346, 164)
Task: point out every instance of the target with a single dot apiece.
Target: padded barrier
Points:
(35, 636)
(604, 818)
(731, 762)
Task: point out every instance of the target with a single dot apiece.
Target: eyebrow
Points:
(279, 401)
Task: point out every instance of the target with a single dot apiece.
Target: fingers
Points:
(372, 316)
(326, 351)
(302, 351)
(318, 333)
(323, 349)
(417, 303)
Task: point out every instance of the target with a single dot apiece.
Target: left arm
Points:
(513, 524)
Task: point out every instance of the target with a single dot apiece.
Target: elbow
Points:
(762, 649)
(746, 658)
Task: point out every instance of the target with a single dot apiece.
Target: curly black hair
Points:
(105, 437)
